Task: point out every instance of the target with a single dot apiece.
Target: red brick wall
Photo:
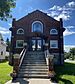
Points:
(26, 24)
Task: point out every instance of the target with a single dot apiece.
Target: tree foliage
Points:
(8, 45)
(70, 54)
(72, 51)
(66, 55)
(5, 8)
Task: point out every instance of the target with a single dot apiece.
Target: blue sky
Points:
(55, 8)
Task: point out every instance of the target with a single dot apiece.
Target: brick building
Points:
(36, 30)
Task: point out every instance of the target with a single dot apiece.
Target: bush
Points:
(66, 55)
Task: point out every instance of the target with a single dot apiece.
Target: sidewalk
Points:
(70, 61)
(31, 81)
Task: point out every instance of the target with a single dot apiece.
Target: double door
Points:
(37, 44)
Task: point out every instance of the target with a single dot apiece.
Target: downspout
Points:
(12, 42)
(60, 39)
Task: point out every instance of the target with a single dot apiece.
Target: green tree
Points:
(72, 52)
(5, 8)
(8, 45)
(67, 55)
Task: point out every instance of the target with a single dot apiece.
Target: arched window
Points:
(20, 31)
(37, 26)
(53, 31)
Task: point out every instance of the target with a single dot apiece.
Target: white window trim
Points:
(51, 41)
(16, 43)
(52, 32)
(20, 29)
(36, 22)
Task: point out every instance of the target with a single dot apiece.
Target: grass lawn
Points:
(66, 73)
(5, 71)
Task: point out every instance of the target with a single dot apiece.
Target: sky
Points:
(64, 9)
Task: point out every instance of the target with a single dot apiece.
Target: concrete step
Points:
(33, 72)
(30, 52)
(29, 59)
(33, 75)
(34, 62)
(41, 70)
(35, 56)
(35, 53)
(37, 60)
(34, 67)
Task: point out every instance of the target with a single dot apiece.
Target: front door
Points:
(37, 44)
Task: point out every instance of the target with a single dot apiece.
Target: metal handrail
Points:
(22, 54)
(48, 58)
(49, 61)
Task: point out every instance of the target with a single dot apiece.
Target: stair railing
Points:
(18, 59)
(49, 61)
(22, 54)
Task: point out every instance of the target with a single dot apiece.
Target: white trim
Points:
(54, 41)
(36, 22)
(19, 30)
(17, 45)
(56, 32)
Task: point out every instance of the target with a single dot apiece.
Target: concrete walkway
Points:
(31, 81)
(70, 61)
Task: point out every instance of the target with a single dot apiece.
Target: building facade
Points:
(2, 48)
(37, 30)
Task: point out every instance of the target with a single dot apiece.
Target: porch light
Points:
(46, 44)
(24, 44)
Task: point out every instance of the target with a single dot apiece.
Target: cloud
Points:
(68, 32)
(70, 27)
(56, 8)
(29, 9)
(4, 31)
(62, 11)
(71, 4)
(10, 25)
(67, 47)
(62, 15)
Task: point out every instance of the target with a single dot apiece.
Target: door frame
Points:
(36, 39)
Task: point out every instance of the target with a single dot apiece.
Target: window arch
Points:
(37, 26)
(20, 31)
(53, 31)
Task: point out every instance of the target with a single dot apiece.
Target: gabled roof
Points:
(2, 43)
(39, 12)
